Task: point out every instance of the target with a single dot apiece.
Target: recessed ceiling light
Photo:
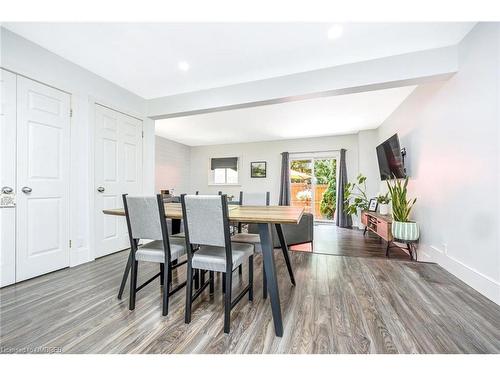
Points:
(183, 65)
(335, 32)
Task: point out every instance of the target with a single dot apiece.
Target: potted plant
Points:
(355, 198)
(402, 227)
(383, 203)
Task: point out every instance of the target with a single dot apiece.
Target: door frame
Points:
(316, 155)
(93, 101)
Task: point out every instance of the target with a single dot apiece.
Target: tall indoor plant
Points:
(402, 227)
(355, 199)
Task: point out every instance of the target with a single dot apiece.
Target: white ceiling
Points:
(144, 57)
(332, 115)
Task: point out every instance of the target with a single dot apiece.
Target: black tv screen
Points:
(390, 161)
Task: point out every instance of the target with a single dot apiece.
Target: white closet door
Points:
(43, 179)
(118, 170)
(7, 176)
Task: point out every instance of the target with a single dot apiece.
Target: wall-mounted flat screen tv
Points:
(390, 160)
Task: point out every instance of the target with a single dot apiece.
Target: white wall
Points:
(26, 58)
(265, 151)
(172, 164)
(368, 164)
(186, 168)
(451, 133)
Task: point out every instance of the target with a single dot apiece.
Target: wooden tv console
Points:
(378, 224)
(381, 225)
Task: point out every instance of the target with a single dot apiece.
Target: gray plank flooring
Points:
(340, 305)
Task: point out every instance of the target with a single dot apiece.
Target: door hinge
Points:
(70, 244)
(71, 112)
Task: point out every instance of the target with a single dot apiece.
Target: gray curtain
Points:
(284, 199)
(343, 219)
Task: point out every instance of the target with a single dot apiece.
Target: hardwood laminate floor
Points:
(330, 239)
(340, 305)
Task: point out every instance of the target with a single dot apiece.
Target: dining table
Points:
(265, 217)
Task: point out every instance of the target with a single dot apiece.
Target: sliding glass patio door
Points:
(313, 183)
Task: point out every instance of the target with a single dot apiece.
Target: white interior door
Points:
(43, 179)
(7, 177)
(118, 170)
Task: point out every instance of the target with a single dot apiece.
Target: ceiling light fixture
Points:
(335, 32)
(183, 65)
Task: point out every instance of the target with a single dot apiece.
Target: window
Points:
(223, 171)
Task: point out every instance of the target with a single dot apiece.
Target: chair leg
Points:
(227, 304)
(196, 278)
(202, 277)
(223, 277)
(162, 272)
(211, 279)
(240, 270)
(166, 289)
(189, 292)
(133, 285)
(250, 278)
(264, 282)
(170, 271)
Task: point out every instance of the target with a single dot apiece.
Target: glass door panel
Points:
(313, 185)
(301, 174)
(325, 188)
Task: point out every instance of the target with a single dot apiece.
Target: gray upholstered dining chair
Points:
(146, 221)
(259, 199)
(206, 227)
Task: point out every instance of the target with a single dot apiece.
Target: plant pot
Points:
(383, 209)
(406, 231)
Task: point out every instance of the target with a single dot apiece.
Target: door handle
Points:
(26, 190)
(100, 189)
(7, 190)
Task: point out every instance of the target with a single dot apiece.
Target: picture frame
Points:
(258, 169)
(372, 205)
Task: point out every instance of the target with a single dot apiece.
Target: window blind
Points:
(216, 163)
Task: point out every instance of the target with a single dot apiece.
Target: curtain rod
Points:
(313, 152)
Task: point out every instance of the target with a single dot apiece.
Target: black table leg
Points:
(272, 281)
(284, 248)
(125, 275)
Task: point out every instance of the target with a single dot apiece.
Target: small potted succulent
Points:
(402, 227)
(383, 203)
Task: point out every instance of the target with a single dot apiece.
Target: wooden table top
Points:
(245, 214)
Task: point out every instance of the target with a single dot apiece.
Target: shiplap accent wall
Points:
(172, 166)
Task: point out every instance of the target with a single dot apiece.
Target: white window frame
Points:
(211, 173)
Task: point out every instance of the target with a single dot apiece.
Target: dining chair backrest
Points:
(205, 219)
(254, 199)
(144, 216)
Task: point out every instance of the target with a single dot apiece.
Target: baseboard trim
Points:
(484, 284)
